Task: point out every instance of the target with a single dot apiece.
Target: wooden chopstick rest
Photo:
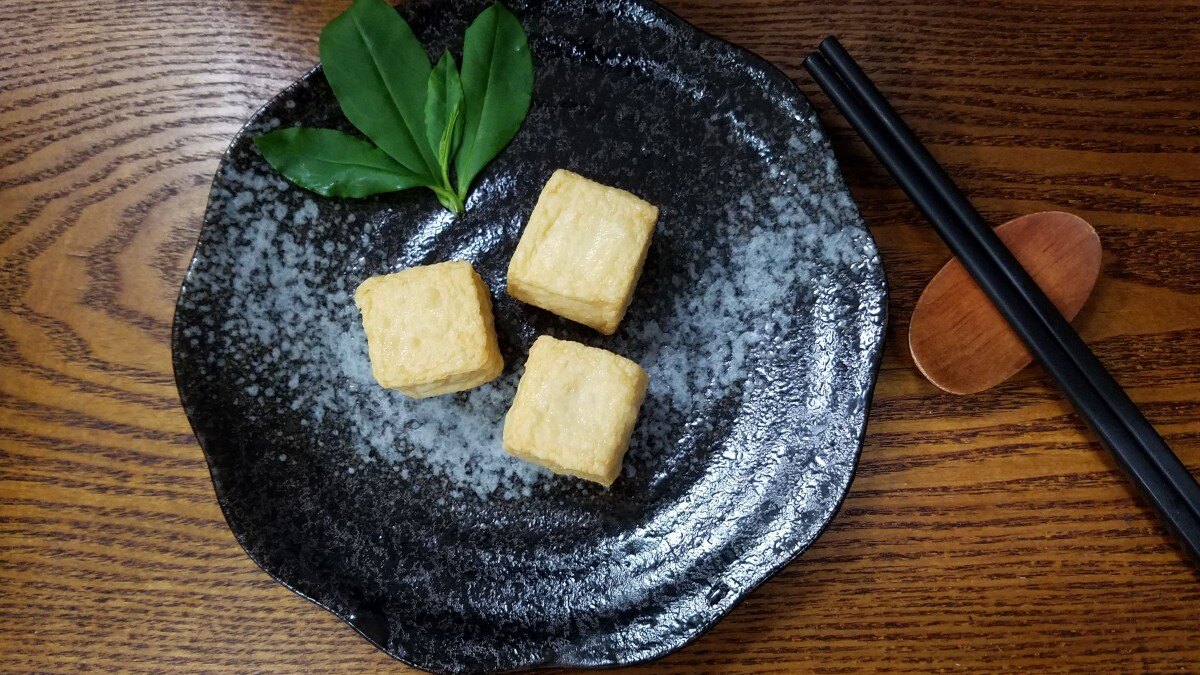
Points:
(958, 339)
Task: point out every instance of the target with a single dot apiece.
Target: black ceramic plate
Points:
(759, 318)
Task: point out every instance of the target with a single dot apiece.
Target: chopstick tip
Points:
(830, 40)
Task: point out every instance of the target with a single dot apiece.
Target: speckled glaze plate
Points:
(759, 317)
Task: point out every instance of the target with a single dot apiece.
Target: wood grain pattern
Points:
(982, 532)
(960, 342)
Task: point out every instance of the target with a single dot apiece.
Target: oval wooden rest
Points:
(960, 342)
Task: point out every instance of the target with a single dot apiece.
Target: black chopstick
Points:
(974, 223)
(1121, 427)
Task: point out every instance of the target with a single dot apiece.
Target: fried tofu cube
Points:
(582, 252)
(430, 329)
(575, 409)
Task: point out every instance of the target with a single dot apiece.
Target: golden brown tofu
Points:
(430, 329)
(575, 409)
(582, 252)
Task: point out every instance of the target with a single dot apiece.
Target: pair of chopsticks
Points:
(1151, 465)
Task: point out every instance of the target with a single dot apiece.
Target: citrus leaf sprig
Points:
(428, 126)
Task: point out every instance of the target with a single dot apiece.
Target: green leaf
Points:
(334, 164)
(378, 70)
(451, 138)
(443, 108)
(497, 81)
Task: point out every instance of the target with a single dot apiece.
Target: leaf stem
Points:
(449, 199)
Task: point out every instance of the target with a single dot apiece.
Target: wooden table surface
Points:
(981, 532)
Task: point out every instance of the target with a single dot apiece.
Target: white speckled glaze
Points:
(759, 319)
